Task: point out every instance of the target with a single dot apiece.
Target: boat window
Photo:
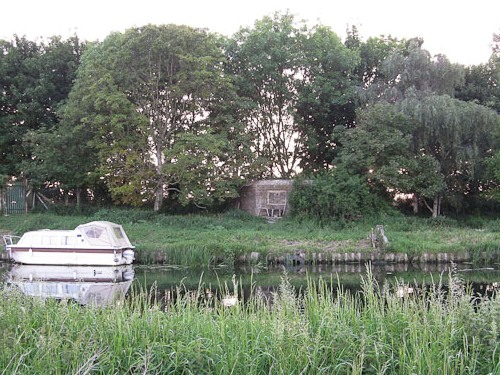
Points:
(71, 289)
(94, 232)
(97, 236)
(49, 290)
(30, 289)
(118, 232)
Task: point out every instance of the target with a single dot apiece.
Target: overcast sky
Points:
(460, 29)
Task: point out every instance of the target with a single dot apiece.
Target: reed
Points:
(436, 330)
(198, 240)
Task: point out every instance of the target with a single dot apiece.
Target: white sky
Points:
(460, 29)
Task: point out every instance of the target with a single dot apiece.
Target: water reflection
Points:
(208, 284)
(104, 285)
(97, 286)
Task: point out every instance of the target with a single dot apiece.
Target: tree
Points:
(434, 148)
(481, 86)
(379, 149)
(326, 98)
(482, 81)
(17, 77)
(298, 89)
(62, 157)
(412, 71)
(457, 135)
(35, 79)
(419, 139)
(333, 195)
(267, 62)
(372, 55)
(147, 91)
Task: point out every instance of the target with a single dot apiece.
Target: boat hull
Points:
(98, 243)
(74, 256)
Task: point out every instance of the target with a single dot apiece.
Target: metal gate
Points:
(14, 199)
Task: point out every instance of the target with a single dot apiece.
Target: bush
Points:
(336, 195)
(125, 216)
(67, 210)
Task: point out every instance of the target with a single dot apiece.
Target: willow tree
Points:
(457, 136)
(146, 92)
(442, 142)
(411, 70)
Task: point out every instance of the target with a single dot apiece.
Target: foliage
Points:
(298, 88)
(481, 84)
(184, 115)
(412, 71)
(372, 53)
(326, 98)
(482, 81)
(61, 158)
(457, 136)
(336, 195)
(266, 62)
(322, 330)
(154, 97)
(418, 139)
(35, 79)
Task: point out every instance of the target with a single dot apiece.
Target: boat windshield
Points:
(118, 232)
(121, 238)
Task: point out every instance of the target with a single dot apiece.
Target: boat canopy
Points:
(104, 233)
(95, 233)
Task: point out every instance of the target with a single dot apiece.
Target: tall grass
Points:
(320, 331)
(198, 240)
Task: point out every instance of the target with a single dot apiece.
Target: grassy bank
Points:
(376, 332)
(224, 238)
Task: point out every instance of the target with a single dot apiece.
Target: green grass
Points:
(223, 238)
(316, 332)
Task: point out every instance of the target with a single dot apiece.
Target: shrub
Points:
(335, 195)
(125, 216)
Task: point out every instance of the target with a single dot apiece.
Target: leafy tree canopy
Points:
(145, 93)
(35, 79)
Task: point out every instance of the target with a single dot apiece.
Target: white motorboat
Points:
(98, 286)
(98, 243)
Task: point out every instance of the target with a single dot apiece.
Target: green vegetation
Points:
(201, 240)
(336, 195)
(170, 117)
(431, 331)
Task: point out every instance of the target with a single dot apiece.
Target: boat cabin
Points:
(93, 234)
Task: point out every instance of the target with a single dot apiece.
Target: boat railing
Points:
(9, 240)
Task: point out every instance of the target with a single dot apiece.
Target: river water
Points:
(102, 285)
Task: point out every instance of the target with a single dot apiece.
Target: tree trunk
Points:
(78, 197)
(158, 195)
(436, 207)
(160, 177)
(415, 203)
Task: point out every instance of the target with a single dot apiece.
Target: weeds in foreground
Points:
(385, 329)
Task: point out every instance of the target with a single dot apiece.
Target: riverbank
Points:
(235, 237)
